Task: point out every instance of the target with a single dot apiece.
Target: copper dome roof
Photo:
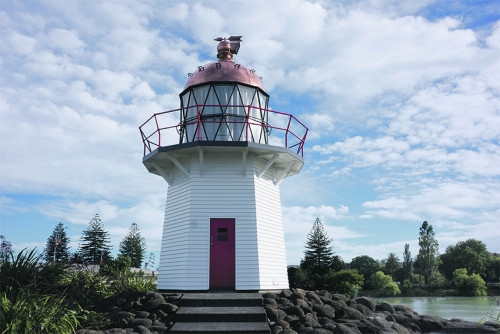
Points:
(225, 69)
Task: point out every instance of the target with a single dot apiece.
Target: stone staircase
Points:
(239, 313)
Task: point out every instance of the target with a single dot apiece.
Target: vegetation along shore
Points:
(91, 292)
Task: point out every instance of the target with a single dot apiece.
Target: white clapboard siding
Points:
(272, 255)
(222, 192)
(174, 250)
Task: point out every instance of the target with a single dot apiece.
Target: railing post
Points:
(287, 130)
(247, 123)
(303, 141)
(158, 130)
(199, 121)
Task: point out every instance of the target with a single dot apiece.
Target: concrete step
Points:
(221, 314)
(221, 327)
(220, 299)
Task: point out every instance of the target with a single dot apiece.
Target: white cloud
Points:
(362, 54)
(17, 44)
(493, 41)
(65, 40)
(449, 199)
(10, 206)
(319, 124)
(178, 12)
(297, 218)
(112, 83)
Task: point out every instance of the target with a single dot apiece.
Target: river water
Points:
(467, 308)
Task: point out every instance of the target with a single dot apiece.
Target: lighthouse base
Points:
(223, 228)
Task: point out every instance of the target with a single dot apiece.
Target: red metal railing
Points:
(163, 129)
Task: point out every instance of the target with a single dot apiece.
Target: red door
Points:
(222, 253)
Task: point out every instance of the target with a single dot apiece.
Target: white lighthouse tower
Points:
(223, 154)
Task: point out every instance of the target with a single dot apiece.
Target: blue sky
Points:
(402, 99)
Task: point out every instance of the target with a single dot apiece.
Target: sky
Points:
(401, 98)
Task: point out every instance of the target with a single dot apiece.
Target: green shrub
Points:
(415, 278)
(31, 299)
(86, 287)
(472, 285)
(137, 282)
(113, 268)
(384, 284)
(38, 313)
(346, 282)
(302, 279)
(437, 279)
(26, 271)
(407, 285)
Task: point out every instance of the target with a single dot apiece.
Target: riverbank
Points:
(430, 292)
(292, 311)
(298, 311)
(475, 309)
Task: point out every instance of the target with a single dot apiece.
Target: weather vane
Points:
(228, 45)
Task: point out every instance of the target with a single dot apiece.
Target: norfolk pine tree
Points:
(318, 254)
(318, 258)
(133, 246)
(57, 243)
(93, 241)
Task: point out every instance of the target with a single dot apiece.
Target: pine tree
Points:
(57, 244)
(94, 242)
(427, 258)
(318, 254)
(133, 246)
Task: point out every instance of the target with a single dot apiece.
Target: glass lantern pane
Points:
(211, 104)
(185, 114)
(185, 99)
(225, 98)
(246, 94)
(224, 93)
(200, 96)
(263, 100)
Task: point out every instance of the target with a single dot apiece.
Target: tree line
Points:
(95, 247)
(464, 267)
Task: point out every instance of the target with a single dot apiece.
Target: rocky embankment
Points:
(319, 312)
(290, 311)
(137, 312)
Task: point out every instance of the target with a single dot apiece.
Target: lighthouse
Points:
(223, 154)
